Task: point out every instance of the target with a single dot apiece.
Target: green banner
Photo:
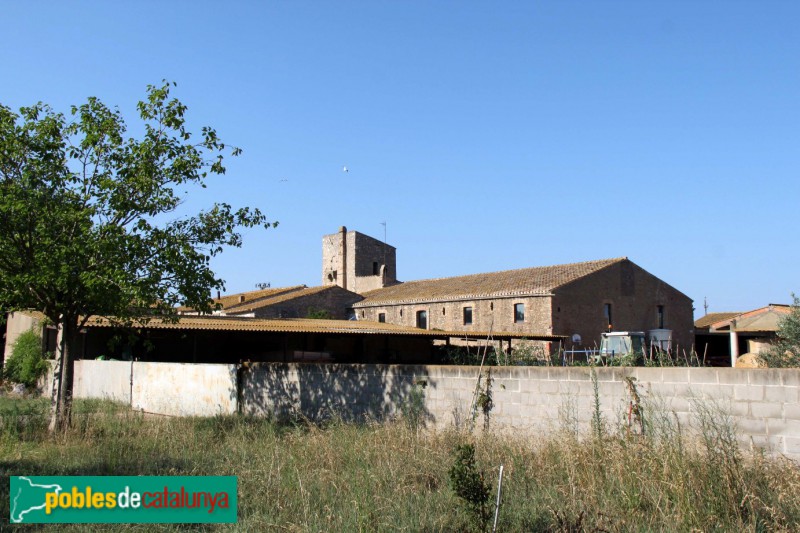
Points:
(122, 499)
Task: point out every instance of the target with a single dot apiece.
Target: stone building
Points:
(297, 301)
(578, 300)
(357, 262)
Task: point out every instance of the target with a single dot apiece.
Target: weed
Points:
(469, 484)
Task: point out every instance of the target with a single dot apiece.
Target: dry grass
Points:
(344, 477)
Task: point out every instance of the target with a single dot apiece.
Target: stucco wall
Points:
(184, 389)
(109, 380)
(19, 323)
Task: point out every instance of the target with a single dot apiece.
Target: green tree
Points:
(88, 221)
(786, 350)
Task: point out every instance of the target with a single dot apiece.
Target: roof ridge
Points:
(279, 291)
(609, 261)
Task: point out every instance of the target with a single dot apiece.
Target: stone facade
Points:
(488, 314)
(571, 300)
(357, 262)
(638, 301)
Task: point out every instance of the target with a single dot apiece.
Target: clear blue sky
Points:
(488, 135)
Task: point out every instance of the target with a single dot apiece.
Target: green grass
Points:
(344, 477)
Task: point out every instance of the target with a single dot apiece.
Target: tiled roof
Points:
(524, 281)
(241, 298)
(763, 319)
(306, 325)
(710, 318)
(265, 301)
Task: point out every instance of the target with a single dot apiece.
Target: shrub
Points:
(26, 363)
(786, 350)
(469, 483)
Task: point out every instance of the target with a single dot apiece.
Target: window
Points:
(381, 317)
(422, 319)
(375, 269)
(467, 316)
(660, 316)
(443, 312)
(608, 316)
(519, 313)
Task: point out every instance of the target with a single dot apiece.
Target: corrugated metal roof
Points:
(306, 325)
(524, 281)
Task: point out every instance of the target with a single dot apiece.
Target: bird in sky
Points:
(345, 169)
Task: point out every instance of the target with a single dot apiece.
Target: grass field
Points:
(389, 477)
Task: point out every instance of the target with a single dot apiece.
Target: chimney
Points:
(218, 295)
(241, 298)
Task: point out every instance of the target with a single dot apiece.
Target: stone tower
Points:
(357, 262)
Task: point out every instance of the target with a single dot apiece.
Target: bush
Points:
(26, 363)
(469, 484)
(786, 350)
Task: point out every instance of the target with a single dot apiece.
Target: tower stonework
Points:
(357, 262)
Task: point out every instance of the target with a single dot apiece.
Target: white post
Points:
(734, 346)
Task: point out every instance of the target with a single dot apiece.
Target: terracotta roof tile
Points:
(276, 299)
(241, 298)
(524, 281)
(710, 318)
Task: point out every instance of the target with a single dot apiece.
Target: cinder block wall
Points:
(764, 404)
(534, 400)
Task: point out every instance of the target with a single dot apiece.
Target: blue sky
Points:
(488, 136)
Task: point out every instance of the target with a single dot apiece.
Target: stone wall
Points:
(335, 300)
(634, 295)
(496, 314)
(357, 262)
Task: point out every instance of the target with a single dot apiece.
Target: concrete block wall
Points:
(762, 403)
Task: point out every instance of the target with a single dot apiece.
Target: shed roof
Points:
(307, 325)
(710, 318)
(523, 281)
(763, 319)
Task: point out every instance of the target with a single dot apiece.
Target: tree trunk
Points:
(61, 395)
